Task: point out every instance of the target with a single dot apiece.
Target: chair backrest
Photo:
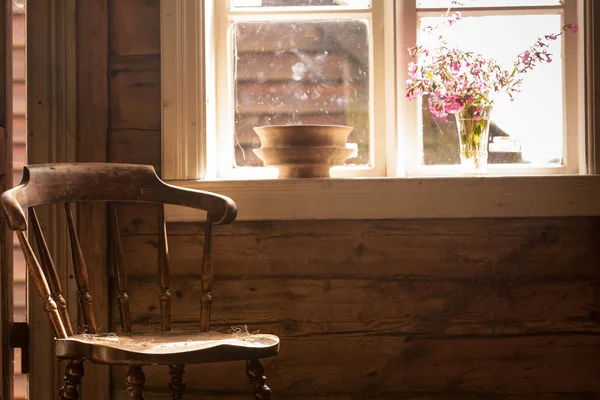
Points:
(68, 183)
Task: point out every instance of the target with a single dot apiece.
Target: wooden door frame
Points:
(67, 41)
(51, 138)
(6, 177)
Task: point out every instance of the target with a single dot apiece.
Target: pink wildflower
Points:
(573, 28)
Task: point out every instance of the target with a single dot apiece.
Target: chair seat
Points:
(167, 347)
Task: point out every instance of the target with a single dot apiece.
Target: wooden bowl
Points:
(303, 135)
(303, 151)
(303, 162)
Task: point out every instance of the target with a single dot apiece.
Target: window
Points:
(231, 65)
(539, 131)
(282, 62)
(266, 62)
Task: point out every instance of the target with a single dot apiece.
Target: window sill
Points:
(390, 198)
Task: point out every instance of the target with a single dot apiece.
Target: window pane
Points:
(528, 130)
(300, 3)
(301, 73)
(486, 3)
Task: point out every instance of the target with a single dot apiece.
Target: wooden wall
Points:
(407, 309)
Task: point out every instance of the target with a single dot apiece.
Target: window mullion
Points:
(407, 147)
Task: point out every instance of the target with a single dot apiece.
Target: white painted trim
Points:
(407, 111)
(573, 93)
(182, 75)
(387, 198)
(590, 83)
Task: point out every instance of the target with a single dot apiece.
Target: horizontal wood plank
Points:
(135, 92)
(442, 249)
(241, 394)
(303, 307)
(374, 364)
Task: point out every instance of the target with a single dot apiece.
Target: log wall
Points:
(406, 309)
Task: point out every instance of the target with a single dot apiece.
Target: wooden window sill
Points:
(391, 198)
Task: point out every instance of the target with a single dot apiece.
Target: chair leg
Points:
(256, 374)
(176, 383)
(73, 375)
(135, 382)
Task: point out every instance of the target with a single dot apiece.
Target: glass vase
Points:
(473, 136)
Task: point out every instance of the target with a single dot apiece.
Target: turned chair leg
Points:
(135, 382)
(256, 374)
(73, 375)
(176, 383)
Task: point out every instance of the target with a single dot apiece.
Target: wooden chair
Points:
(67, 183)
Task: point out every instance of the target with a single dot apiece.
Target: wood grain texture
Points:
(471, 300)
(52, 136)
(413, 309)
(303, 307)
(121, 143)
(471, 248)
(92, 126)
(6, 177)
(134, 27)
(359, 364)
(243, 395)
(135, 92)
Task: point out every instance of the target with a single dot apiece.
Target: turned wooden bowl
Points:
(303, 151)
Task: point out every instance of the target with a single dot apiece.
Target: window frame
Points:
(187, 146)
(381, 70)
(574, 147)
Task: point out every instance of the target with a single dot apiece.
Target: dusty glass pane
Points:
(300, 3)
(528, 130)
(486, 3)
(301, 73)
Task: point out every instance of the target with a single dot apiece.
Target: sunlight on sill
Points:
(391, 198)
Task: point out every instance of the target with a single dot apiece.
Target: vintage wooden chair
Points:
(67, 183)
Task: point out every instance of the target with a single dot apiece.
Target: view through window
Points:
(302, 71)
(517, 135)
(320, 71)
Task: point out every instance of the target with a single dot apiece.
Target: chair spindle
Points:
(164, 278)
(50, 271)
(134, 382)
(207, 276)
(41, 285)
(81, 275)
(123, 298)
(176, 371)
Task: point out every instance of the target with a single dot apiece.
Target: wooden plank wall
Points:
(412, 309)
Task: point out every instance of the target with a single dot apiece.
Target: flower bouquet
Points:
(465, 84)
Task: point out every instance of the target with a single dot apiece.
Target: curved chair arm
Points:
(59, 183)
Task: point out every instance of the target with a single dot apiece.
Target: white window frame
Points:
(380, 71)
(574, 144)
(190, 143)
